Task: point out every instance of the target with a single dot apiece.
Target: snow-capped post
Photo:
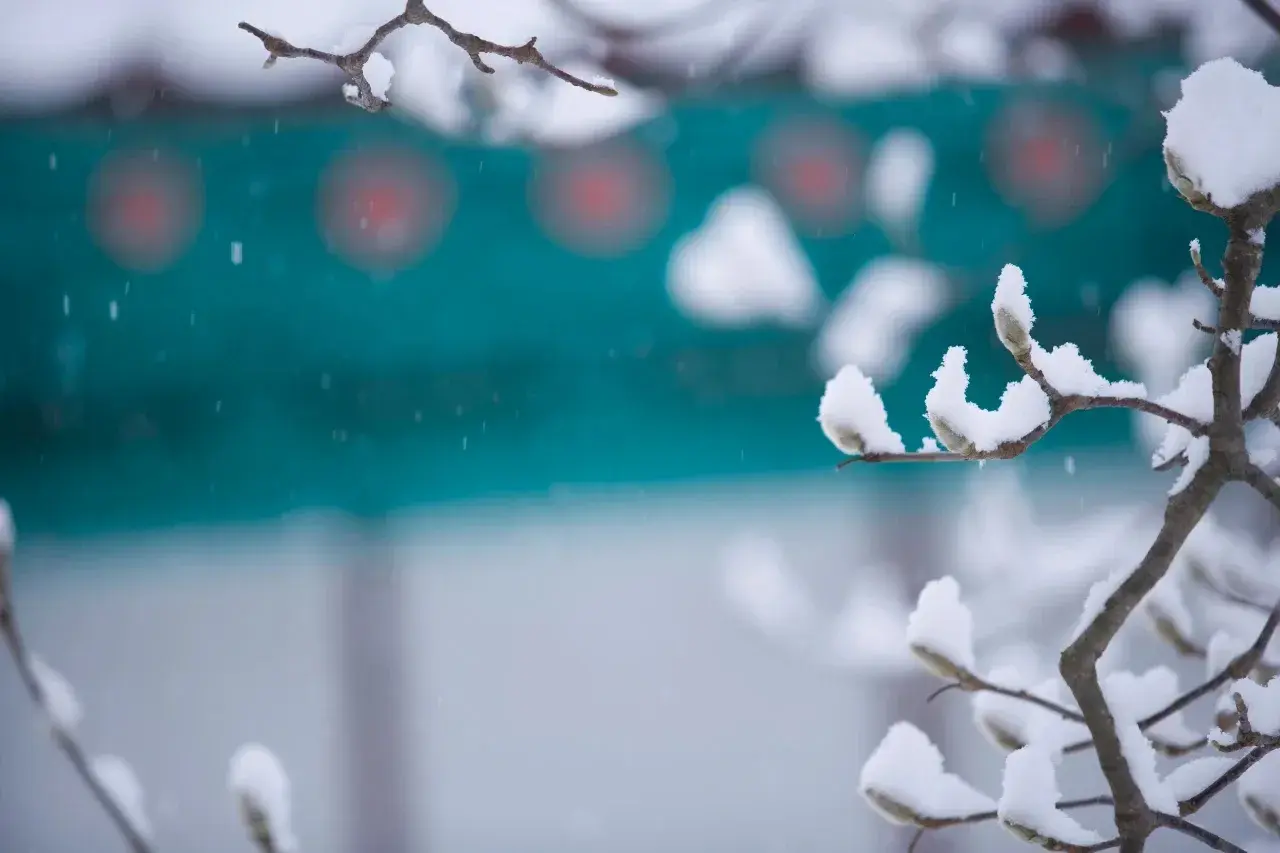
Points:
(1221, 153)
(363, 63)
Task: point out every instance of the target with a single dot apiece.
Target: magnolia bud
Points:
(951, 438)
(1015, 337)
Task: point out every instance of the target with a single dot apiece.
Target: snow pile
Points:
(1029, 800)
(1265, 302)
(877, 319)
(1259, 793)
(940, 629)
(1140, 696)
(904, 780)
(379, 71)
(963, 427)
(1263, 703)
(852, 415)
(57, 696)
(897, 180)
(1196, 453)
(258, 782)
(1219, 142)
(119, 781)
(1187, 780)
(1071, 373)
(743, 266)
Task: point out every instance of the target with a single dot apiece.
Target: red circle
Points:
(383, 210)
(145, 208)
(1046, 159)
(813, 167)
(602, 201)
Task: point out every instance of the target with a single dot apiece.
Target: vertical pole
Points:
(371, 657)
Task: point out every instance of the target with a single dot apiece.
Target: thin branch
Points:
(1266, 12)
(1262, 484)
(65, 740)
(1204, 836)
(974, 684)
(1194, 803)
(415, 13)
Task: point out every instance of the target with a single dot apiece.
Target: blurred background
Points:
(466, 454)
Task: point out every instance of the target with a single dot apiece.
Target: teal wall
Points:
(501, 363)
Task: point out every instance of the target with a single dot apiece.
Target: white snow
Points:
(1187, 780)
(1259, 792)
(869, 632)
(378, 70)
(972, 49)
(1197, 453)
(1220, 99)
(1263, 703)
(904, 779)
(877, 319)
(1136, 748)
(118, 779)
(1266, 302)
(1223, 647)
(1166, 607)
(1071, 373)
(897, 179)
(959, 424)
(1029, 798)
(1256, 358)
(852, 415)
(258, 780)
(744, 266)
(57, 695)
(940, 629)
(1139, 696)
(1011, 310)
(1193, 395)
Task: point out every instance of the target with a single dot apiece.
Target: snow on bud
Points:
(1028, 805)
(1011, 309)
(1263, 703)
(940, 631)
(1259, 792)
(57, 696)
(853, 417)
(258, 782)
(906, 782)
(119, 781)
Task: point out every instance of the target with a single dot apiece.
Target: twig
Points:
(65, 740)
(1194, 803)
(974, 684)
(415, 13)
(1264, 10)
(1209, 839)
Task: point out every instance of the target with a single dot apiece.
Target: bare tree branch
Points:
(1199, 833)
(66, 742)
(1262, 484)
(1194, 803)
(415, 13)
(1266, 12)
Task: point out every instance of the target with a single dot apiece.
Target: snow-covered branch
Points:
(369, 72)
(1236, 178)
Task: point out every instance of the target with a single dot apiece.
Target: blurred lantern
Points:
(602, 201)
(383, 209)
(145, 208)
(1046, 159)
(813, 167)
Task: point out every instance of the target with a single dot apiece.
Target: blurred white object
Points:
(118, 779)
(858, 56)
(897, 180)
(869, 634)
(744, 266)
(57, 695)
(258, 782)
(876, 320)
(761, 585)
(1152, 334)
